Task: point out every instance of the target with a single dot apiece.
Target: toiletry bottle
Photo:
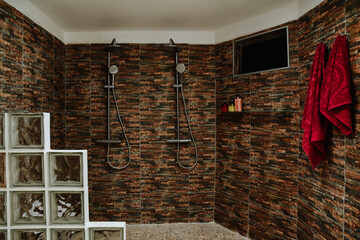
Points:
(224, 107)
(232, 106)
(238, 103)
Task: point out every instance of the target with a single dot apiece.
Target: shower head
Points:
(113, 47)
(180, 68)
(171, 42)
(113, 70)
(173, 46)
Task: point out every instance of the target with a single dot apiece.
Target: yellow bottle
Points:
(232, 106)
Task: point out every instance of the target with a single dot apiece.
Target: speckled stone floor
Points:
(181, 231)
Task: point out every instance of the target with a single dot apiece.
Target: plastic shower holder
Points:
(44, 192)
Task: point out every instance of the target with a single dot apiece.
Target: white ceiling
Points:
(179, 15)
(95, 20)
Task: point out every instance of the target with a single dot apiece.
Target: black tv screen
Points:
(262, 52)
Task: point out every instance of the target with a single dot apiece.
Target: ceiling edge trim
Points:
(32, 12)
(191, 37)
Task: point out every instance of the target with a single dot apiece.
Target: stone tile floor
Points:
(181, 231)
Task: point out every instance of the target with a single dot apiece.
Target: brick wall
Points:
(257, 150)
(328, 205)
(32, 68)
(153, 189)
(265, 187)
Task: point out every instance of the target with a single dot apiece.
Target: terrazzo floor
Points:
(181, 231)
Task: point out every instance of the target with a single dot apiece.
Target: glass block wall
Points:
(44, 192)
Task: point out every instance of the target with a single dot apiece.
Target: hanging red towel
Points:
(314, 123)
(336, 100)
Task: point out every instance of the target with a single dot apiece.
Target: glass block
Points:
(27, 169)
(66, 169)
(67, 207)
(29, 234)
(67, 234)
(1, 131)
(106, 233)
(2, 208)
(28, 207)
(2, 234)
(27, 131)
(2, 170)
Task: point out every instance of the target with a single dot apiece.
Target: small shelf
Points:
(231, 113)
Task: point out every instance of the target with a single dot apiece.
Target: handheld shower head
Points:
(180, 68)
(113, 70)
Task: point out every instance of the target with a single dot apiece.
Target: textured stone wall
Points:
(328, 206)
(265, 187)
(153, 189)
(257, 149)
(32, 67)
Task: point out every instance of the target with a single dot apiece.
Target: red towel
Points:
(335, 92)
(314, 123)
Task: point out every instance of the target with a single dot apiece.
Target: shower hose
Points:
(189, 126)
(123, 130)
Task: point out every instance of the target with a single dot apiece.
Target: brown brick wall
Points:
(153, 189)
(257, 150)
(265, 187)
(328, 206)
(32, 68)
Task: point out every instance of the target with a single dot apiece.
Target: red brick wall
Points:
(265, 188)
(153, 189)
(257, 150)
(32, 68)
(328, 206)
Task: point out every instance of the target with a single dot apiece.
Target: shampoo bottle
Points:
(224, 107)
(232, 106)
(238, 103)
